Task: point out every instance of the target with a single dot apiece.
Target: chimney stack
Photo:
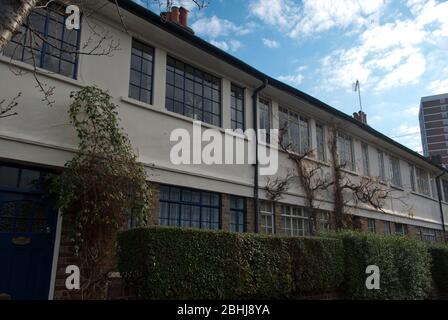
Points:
(361, 116)
(178, 16)
(183, 17)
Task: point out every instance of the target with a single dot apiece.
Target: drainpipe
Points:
(255, 120)
(439, 195)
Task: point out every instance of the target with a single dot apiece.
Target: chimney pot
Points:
(174, 16)
(360, 116)
(183, 16)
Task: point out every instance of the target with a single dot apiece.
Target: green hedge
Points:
(404, 266)
(174, 263)
(439, 269)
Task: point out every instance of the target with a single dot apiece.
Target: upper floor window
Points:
(142, 69)
(184, 207)
(395, 172)
(237, 107)
(412, 177)
(445, 190)
(365, 159)
(422, 181)
(193, 92)
(45, 42)
(381, 167)
(265, 119)
(345, 151)
(295, 130)
(237, 214)
(266, 218)
(295, 221)
(320, 137)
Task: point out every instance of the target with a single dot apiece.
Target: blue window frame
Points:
(183, 207)
(237, 214)
(142, 69)
(45, 42)
(193, 92)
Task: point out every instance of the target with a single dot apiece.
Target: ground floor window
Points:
(324, 221)
(387, 230)
(400, 229)
(237, 214)
(428, 235)
(371, 225)
(266, 217)
(183, 207)
(294, 221)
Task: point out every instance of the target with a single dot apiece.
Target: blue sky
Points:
(397, 49)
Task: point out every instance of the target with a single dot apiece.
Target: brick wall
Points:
(225, 212)
(250, 215)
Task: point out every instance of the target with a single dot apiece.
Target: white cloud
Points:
(438, 86)
(228, 45)
(407, 73)
(215, 27)
(411, 111)
(310, 16)
(294, 80)
(270, 43)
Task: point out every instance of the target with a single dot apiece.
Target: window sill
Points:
(40, 71)
(423, 195)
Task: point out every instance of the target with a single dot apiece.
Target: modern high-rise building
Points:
(433, 118)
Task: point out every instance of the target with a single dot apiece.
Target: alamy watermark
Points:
(237, 147)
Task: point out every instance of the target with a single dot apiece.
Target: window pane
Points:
(141, 73)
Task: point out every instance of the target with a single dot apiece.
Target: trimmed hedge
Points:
(404, 266)
(174, 263)
(439, 269)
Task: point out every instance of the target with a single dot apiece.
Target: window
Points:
(295, 221)
(387, 230)
(445, 190)
(266, 218)
(412, 177)
(295, 130)
(395, 172)
(184, 207)
(142, 67)
(365, 159)
(382, 169)
(324, 221)
(320, 136)
(422, 181)
(400, 229)
(58, 53)
(345, 151)
(237, 107)
(371, 225)
(192, 92)
(265, 119)
(237, 214)
(432, 182)
(428, 235)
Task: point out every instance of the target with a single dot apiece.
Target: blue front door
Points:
(27, 232)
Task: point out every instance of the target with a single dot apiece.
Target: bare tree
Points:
(7, 110)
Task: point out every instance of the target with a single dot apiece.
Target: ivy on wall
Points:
(103, 188)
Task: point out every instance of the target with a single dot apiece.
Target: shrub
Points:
(404, 266)
(439, 269)
(174, 263)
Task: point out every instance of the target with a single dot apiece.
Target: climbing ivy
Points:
(102, 188)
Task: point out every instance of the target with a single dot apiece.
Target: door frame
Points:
(57, 234)
(55, 258)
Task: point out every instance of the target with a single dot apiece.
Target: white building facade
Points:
(163, 78)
